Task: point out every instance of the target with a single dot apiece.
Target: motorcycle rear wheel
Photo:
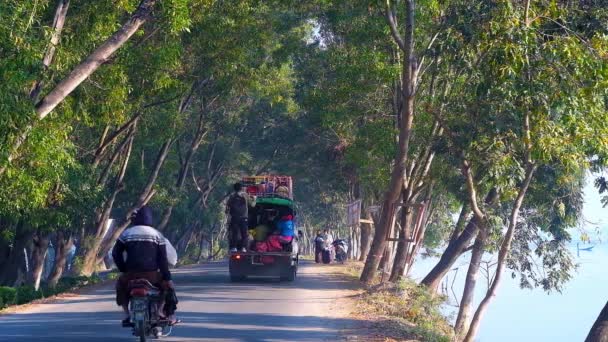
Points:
(140, 328)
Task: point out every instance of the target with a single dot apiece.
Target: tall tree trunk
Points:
(13, 268)
(468, 294)
(465, 211)
(95, 59)
(62, 244)
(599, 330)
(40, 248)
(143, 199)
(455, 248)
(409, 76)
(61, 12)
(404, 234)
(366, 238)
(503, 253)
(185, 164)
(201, 249)
(81, 72)
(421, 224)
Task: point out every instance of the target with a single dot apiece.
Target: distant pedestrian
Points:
(319, 246)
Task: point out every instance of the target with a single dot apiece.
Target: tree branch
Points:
(390, 18)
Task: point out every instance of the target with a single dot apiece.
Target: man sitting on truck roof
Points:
(238, 208)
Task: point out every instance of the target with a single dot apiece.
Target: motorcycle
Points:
(144, 307)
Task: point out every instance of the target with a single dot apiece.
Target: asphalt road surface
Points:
(211, 308)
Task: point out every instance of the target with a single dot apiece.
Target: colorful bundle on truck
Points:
(273, 249)
(272, 221)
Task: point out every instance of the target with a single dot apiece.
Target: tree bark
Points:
(502, 254)
(61, 12)
(106, 141)
(40, 248)
(62, 244)
(462, 219)
(366, 238)
(406, 122)
(464, 312)
(187, 160)
(83, 71)
(145, 196)
(404, 233)
(95, 59)
(455, 248)
(366, 235)
(599, 330)
(14, 266)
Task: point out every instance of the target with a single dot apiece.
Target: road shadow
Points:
(196, 326)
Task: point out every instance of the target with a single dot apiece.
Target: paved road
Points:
(211, 308)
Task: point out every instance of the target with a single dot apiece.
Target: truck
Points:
(271, 252)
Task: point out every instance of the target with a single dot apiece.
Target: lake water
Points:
(522, 315)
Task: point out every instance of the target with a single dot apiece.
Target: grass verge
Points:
(401, 311)
(12, 296)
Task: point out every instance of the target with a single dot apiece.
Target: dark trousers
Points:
(238, 233)
(122, 284)
(318, 255)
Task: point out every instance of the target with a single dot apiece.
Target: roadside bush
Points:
(8, 296)
(409, 302)
(26, 294)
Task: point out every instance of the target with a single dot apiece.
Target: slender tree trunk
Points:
(61, 12)
(81, 72)
(402, 245)
(599, 330)
(393, 192)
(40, 248)
(14, 266)
(455, 249)
(366, 239)
(405, 234)
(503, 253)
(185, 164)
(386, 257)
(422, 221)
(95, 59)
(63, 244)
(201, 249)
(144, 197)
(468, 294)
(184, 241)
(465, 211)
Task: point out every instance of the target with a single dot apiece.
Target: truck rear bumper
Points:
(262, 264)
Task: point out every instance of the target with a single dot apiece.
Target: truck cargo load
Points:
(273, 245)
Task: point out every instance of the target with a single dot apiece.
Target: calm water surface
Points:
(533, 315)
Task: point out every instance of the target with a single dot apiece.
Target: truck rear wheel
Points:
(291, 275)
(236, 278)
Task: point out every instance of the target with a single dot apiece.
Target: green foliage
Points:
(8, 296)
(26, 293)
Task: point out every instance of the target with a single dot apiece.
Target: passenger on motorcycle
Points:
(140, 253)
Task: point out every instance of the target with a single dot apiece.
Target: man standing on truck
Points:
(238, 208)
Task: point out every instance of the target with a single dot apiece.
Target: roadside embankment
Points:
(400, 311)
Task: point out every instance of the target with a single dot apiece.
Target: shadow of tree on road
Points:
(81, 326)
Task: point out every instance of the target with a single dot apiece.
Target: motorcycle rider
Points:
(146, 258)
